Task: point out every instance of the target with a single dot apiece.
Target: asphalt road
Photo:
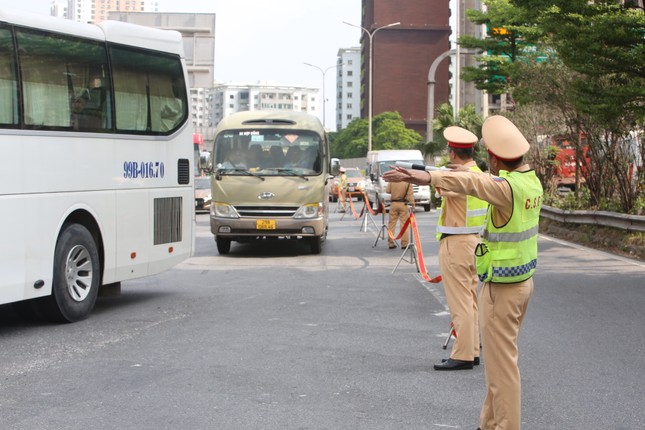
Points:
(271, 337)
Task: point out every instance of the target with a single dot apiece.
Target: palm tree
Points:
(467, 118)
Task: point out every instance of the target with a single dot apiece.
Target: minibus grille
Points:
(167, 220)
(267, 211)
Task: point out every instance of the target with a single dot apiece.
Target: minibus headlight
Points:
(311, 210)
(224, 210)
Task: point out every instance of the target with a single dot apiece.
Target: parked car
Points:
(355, 184)
(203, 194)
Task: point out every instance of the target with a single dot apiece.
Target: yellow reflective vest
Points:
(475, 215)
(509, 252)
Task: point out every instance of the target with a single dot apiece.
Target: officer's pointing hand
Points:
(397, 174)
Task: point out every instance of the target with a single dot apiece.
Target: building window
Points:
(350, 73)
(349, 95)
(350, 84)
(349, 62)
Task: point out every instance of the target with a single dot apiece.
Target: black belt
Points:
(445, 235)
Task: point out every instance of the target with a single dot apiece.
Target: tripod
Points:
(411, 246)
(367, 214)
(383, 229)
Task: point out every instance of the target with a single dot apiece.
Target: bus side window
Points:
(45, 92)
(89, 110)
(166, 111)
(56, 76)
(8, 84)
(130, 100)
(146, 95)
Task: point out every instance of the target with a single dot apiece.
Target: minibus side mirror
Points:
(334, 167)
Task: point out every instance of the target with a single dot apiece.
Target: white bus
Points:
(96, 158)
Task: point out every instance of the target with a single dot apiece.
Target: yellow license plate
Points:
(265, 224)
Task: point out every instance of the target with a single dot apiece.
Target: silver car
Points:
(203, 194)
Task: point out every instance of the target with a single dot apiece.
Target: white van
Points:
(271, 175)
(379, 162)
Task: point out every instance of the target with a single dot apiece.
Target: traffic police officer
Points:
(506, 258)
(461, 220)
(342, 190)
(401, 195)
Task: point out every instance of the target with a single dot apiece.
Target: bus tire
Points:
(316, 244)
(223, 245)
(77, 271)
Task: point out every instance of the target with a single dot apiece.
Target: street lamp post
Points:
(370, 34)
(431, 81)
(323, 85)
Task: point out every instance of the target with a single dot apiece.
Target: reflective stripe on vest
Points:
(513, 247)
(476, 210)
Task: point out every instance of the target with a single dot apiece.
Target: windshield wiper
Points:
(237, 169)
(289, 171)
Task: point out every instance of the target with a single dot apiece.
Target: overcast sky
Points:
(268, 40)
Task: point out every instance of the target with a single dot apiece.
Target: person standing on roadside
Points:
(506, 258)
(342, 190)
(461, 221)
(401, 194)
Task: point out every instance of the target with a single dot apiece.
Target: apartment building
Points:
(348, 86)
(98, 10)
(226, 99)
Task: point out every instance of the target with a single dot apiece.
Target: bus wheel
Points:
(76, 276)
(316, 244)
(223, 245)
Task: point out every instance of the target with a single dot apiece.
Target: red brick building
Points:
(403, 55)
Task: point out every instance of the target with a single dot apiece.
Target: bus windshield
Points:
(268, 152)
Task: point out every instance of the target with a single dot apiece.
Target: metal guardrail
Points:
(601, 218)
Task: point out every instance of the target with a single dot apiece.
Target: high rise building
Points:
(464, 93)
(58, 8)
(402, 56)
(348, 86)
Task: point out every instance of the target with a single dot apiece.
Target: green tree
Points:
(351, 142)
(388, 132)
(605, 42)
(602, 44)
(508, 40)
(593, 78)
(467, 118)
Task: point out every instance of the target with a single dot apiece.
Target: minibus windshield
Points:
(268, 152)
